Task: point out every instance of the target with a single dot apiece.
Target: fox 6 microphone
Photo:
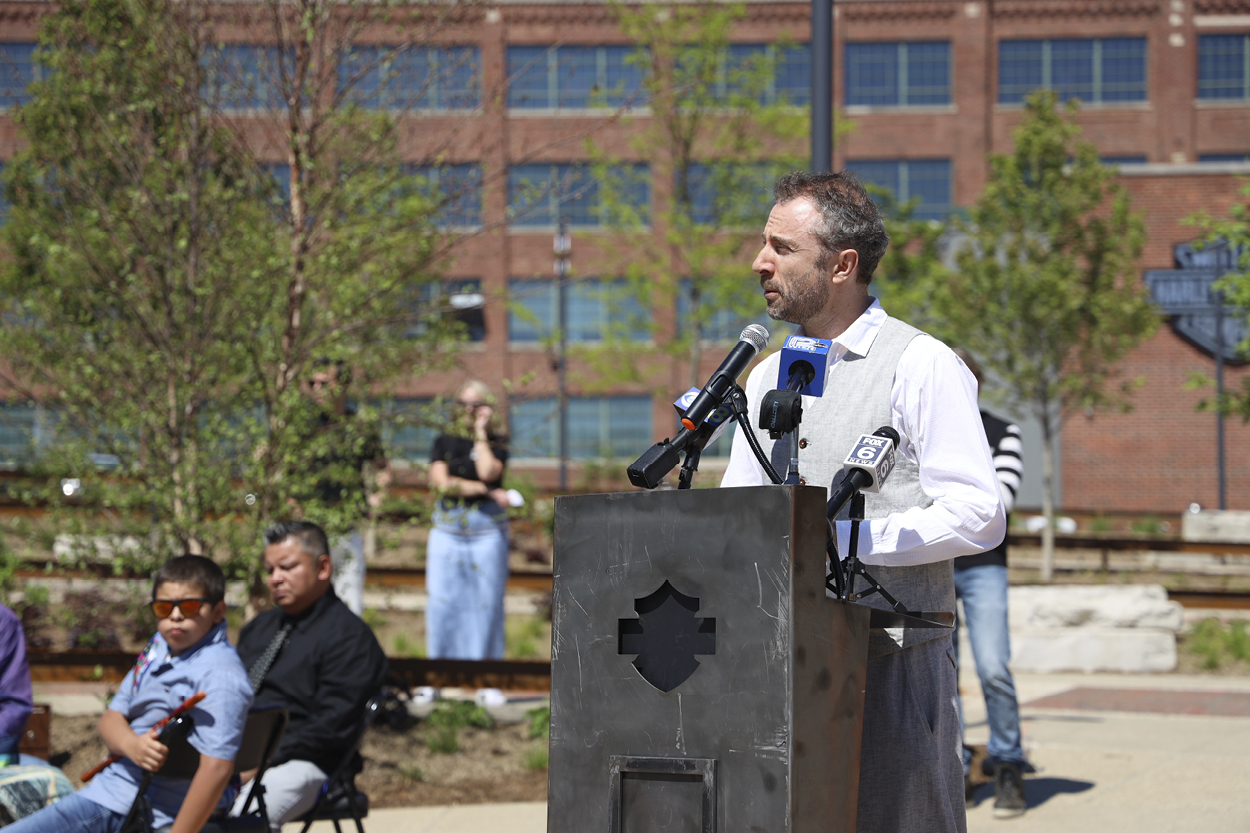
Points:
(804, 359)
(714, 424)
(867, 467)
(752, 341)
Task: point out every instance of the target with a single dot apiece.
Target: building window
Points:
(418, 77)
(731, 193)
(1094, 70)
(457, 303)
(17, 70)
(608, 426)
(725, 325)
(1130, 159)
(898, 74)
(578, 77)
(597, 310)
(1223, 158)
(1223, 67)
(458, 189)
(24, 427)
(244, 77)
(768, 73)
(543, 195)
(409, 428)
(928, 181)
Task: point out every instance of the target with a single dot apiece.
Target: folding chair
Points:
(338, 799)
(261, 735)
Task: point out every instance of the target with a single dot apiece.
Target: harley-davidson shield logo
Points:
(666, 636)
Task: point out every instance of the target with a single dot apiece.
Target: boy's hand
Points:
(147, 752)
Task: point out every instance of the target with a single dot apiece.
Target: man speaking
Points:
(823, 239)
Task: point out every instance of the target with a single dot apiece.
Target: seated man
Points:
(312, 656)
(189, 654)
(15, 696)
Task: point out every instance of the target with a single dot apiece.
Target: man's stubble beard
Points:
(804, 300)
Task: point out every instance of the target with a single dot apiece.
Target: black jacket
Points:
(329, 668)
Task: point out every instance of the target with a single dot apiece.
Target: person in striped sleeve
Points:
(981, 583)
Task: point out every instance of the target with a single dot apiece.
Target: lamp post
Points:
(822, 85)
(562, 246)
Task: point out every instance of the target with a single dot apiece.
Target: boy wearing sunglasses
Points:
(188, 654)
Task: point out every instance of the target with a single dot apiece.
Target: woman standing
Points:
(467, 560)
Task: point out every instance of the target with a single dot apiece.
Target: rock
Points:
(1092, 628)
(1230, 527)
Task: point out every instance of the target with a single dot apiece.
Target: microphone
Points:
(752, 341)
(804, 359)
(715, 423)
(867, 467)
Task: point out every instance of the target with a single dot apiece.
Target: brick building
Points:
(932, 87)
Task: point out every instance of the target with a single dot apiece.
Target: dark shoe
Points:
(1008, 791)
(970, 790)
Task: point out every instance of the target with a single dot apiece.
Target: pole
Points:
(1219, 394)
(562, 246)
(822, 85)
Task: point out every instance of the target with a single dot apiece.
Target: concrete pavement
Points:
(1144, 753)
(1105, 766)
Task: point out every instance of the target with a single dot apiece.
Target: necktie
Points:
(257, 674)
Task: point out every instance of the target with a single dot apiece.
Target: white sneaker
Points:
(489, 697)
(425, 695)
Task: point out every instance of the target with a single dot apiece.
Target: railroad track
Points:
(510, 675)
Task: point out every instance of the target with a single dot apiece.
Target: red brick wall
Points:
(1162, 455)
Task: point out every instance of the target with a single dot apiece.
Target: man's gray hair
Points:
(851, 219)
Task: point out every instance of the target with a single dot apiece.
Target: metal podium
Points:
(701, 681)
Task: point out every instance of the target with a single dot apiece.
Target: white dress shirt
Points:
(933, 406)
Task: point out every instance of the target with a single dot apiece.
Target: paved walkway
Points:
(1109, 761)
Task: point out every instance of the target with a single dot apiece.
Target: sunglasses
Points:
(189, 607)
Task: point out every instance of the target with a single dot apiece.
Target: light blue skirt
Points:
(466, 572)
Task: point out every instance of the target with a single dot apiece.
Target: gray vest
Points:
(857, 401)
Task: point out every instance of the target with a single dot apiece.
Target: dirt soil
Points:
(400, 770)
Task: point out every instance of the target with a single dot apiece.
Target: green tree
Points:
(164, 300)
(1233, 231)
(718, 134)
(1046, 292)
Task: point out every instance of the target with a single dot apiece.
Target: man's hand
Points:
(147, 752)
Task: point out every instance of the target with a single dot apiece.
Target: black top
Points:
(329, 668)
(458, 454)
(340, 467)
(1005, 447)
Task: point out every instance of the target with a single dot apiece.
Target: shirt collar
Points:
(858, 337)
(160, 655)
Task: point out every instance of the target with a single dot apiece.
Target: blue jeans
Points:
(70, 813)
(983, 590)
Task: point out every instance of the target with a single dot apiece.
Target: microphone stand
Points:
(689, 466)
(738, 404)
(845, 589)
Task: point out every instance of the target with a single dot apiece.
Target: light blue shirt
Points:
(164, 682)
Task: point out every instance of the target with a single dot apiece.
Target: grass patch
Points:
(412, 773)
(539, 722)
(374, 618)
(522, 635)
(1216, 644)
(446, 721)
(443, 740)
(405, 647)
(536, 759)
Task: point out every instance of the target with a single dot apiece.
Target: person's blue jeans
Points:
(70, 813)
(983, 590)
